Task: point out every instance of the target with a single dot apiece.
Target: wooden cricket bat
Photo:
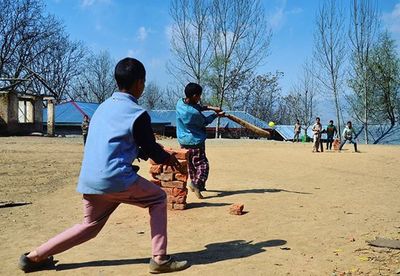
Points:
(247, 125)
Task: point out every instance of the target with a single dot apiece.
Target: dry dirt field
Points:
(307, 213)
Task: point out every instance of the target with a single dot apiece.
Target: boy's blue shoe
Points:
(27, 265)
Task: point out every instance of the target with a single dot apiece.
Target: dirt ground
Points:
(307, 213)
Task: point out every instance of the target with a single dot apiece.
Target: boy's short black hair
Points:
(349, 122)
(127, 71)
(317, 118)
(192, 89)
(331, 121)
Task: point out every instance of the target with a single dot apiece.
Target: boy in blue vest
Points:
(118, 129)
(191, 133)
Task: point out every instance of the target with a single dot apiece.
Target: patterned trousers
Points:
(198, 166)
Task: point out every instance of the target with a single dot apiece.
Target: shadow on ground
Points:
(250, 191)
(214, 252)
(193, 205)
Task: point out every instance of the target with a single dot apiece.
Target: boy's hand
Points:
(173, 162)
(142, 155)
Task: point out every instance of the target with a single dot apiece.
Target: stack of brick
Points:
(172, 181)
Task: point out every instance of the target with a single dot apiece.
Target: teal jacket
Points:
(191, 124)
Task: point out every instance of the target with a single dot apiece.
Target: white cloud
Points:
(278, 18)
(142, 34)
(392, 19)
(90, 3)
(134, 53)
(168, 32)
(87, 3)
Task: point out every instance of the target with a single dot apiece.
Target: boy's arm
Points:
(144, 137)
(213, 108)
(209, 119)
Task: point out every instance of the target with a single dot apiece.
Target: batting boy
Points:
(118, 128)
(191, 132)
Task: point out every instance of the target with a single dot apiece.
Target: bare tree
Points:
(35, 53)
(258, 95)
(363, 29)
(189, 42)
(241, 39)
(26, 34)
(60, 68)
(301, 99)
(330, 50)
(152, 96)
(96, 82)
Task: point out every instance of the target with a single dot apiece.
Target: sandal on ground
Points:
(170, 265)
(196, 191)
(27, 265)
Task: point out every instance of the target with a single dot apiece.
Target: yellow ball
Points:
(271, 124)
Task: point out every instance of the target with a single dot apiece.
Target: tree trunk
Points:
(384, 134)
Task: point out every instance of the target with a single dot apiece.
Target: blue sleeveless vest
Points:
(110, 148)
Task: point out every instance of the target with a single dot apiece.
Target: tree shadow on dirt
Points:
(250, 191)
(214, 252)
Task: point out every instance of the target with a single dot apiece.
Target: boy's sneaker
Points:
(27, 265)
(169, 265)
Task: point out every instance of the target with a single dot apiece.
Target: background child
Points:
(85, 128)
(191, 133)
(118, 128)
(349, 135)
(317, 129)
(331, 131)
(297, 130)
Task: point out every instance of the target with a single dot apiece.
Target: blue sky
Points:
(140, 28)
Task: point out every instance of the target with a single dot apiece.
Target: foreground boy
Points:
(191, 133)
(118, 128)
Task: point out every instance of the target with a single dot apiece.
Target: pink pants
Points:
(97, 210)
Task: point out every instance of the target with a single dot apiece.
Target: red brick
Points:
(236, 209)
(181, 177)
(176, 199)
(179, 192)
(165, 176)
(168, 191)
(156, 181)
(173, 184)
(156, 169)
(178, 206)
(182, 154)
(183, 169)
(169, 169)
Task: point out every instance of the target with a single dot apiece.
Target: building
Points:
(20, 114)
